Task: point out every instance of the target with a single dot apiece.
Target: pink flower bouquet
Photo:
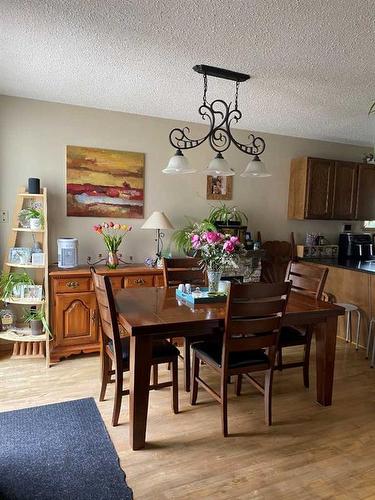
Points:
(217, 250)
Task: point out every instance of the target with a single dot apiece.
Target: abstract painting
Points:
(104, 183)
(219, 187)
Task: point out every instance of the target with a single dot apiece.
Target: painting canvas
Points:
(219, 187)
(104, 183)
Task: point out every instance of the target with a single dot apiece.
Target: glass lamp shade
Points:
(178, 164)
(219, 166)
(255, 168)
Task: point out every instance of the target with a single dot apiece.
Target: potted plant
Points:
(10, 284)
(34, 216)
(37, 321)
(182, 237)
(227, 216)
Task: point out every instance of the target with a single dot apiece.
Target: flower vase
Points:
(213, 278)
(112, 260)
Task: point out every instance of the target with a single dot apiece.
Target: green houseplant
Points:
(227, 216)
(182, 237)
(34, 216)
(37, 320)
(10, 283)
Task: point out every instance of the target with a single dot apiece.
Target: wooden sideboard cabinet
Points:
(331, 189)
(74, 313)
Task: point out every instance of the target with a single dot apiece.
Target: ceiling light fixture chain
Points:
(236, 98)
(204, 89)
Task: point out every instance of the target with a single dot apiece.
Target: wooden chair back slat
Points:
(256, 308)
(182, 270)
(253, 316)
(307, 279)
(251, 343)
(107, 311)
(253, 326)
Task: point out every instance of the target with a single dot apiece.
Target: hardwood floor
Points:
(310, 452)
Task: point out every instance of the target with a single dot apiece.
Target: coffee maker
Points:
(355, 246)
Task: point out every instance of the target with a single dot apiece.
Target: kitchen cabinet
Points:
(366, 193)
(344, 201)
(331, 189)
(74, 312)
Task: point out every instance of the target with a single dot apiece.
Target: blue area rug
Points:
(59, 451)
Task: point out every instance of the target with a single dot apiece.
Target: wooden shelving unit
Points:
(26, 345)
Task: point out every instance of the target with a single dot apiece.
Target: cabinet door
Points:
(366, 193)
(345, 190)
(76, 319)
(320, 176)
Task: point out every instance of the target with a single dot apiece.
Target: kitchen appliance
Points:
(355, 246)
(67, 250)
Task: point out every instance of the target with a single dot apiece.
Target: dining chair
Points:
(276, 258)
(115, 350)
(176, 271)
(308, 280)
(253, 316)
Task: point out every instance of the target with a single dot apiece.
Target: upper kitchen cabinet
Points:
(311, 188)
(329, 189)
(344, 203)
(366, 193)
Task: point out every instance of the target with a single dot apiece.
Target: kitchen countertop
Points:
(364, 266)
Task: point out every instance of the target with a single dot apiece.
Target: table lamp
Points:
(158, 221)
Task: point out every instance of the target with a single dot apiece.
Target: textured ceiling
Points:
(312, 61)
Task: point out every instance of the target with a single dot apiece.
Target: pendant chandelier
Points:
(220, 116)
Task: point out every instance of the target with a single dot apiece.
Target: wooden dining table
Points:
(154, 313)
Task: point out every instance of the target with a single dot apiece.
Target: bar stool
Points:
(349, 308)
(372, 321)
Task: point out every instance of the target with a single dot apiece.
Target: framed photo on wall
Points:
(219, 187)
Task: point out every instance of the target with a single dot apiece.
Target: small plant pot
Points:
(36, 326)
(35, 224)
(234, 223)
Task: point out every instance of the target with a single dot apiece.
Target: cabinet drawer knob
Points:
(72, 284)
(140, 281)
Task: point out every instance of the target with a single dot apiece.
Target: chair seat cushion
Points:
(213, 350)
(290, 336)
(160, 349)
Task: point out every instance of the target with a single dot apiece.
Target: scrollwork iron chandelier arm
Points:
(220, 116)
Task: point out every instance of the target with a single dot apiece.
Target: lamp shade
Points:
(157, 220)
(255, 168)
(178, 164)
(219, 166)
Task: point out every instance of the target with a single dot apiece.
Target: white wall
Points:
(34, 134)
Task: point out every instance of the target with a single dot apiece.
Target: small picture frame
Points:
(32, 292)
(20, 255)
(219, 187)
(38, 259)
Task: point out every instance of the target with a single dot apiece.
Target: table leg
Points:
(140, 366)
(325, 334)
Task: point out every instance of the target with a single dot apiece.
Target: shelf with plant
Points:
(227, 216)
(36, 319)
(33, 216)
(10, 283)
